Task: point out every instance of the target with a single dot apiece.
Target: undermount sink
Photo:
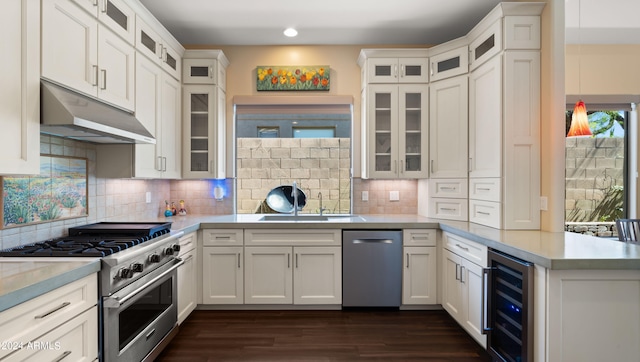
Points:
(303, 217)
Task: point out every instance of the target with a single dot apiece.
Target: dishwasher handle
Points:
(372, 241)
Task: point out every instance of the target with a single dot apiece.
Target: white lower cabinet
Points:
(222, 266)
(317, 275)
(222, 275)
(419, 275)
(75, 340)
(293, 275)
(187, 277)
(461, 280)
(62, 323)
(419, 272)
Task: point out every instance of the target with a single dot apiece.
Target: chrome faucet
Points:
(321, 208)
(294, 193)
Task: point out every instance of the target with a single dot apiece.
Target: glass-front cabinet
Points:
(397, 126)
(201, 132)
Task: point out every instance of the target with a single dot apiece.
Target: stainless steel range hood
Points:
(69, 114)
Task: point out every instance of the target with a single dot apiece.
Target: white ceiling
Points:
(259, 22)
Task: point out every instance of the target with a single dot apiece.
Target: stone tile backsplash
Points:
(125, 199)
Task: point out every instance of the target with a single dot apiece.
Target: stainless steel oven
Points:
(141, 315)
(137, 282)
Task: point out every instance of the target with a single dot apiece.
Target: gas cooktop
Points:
(93, 240)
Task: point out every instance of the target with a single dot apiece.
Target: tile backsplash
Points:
(125, 199)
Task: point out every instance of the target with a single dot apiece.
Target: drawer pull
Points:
(43, 315)
(420, 238)
(462, 247)
(447, 209)
(483, 189)
(62, 356)
(223, 237)
(448, 188)
(484, 213)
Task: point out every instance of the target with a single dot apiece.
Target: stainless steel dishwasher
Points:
(371, 268)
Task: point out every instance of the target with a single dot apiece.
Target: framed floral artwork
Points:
(58, 192)
(293, 78)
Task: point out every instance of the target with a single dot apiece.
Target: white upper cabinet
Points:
(81, 53)
(449, 64)
(20, 91)
(396, 131)
(115, 14)
(397, 70)
(448, 128)
(150, 43)
(486, 45)
(204, 114)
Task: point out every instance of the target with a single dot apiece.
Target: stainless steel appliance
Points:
(138, 283)
(508, 309)
(371, 268)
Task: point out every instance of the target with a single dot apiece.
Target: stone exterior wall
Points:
(594, 178)
(318, 165)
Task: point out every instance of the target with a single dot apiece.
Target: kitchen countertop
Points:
(552, 250)
(22, 280)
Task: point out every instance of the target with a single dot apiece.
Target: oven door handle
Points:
(116, 302)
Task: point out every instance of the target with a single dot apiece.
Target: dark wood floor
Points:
(353, 335)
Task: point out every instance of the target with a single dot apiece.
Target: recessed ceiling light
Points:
(290, 32)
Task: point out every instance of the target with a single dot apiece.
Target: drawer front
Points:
(75, 340)
(223, 237)
(448, 209)
(187, 243)
(470, 250)
(277, 237)
(419, 237)
(485, 213)
(451, 188)
(487, 189)
(31, 319)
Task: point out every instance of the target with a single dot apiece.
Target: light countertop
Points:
(22, 280)
(553, 250)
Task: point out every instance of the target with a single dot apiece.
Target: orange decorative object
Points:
(579, 121)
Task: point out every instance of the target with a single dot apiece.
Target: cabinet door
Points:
(451, 287)
(382, 70)
(485, 119)
(199, 131)
(148, 42)
(74, 340)
(268, 275)
(413, 70)
(472, 292)
(20, 93)
(220, 144)
(413, 131)
(449, 64)
(199, 71)
(419, 275)
(170, 109)
(448, 128)
(116, 59)
(486, 45)
(69, 46)
(187, 291)
(119, 18)
(382, 130)
(222, 275)
(148, 80)
(317, 275)
(171, 61)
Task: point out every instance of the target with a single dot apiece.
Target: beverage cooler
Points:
(508, 309)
